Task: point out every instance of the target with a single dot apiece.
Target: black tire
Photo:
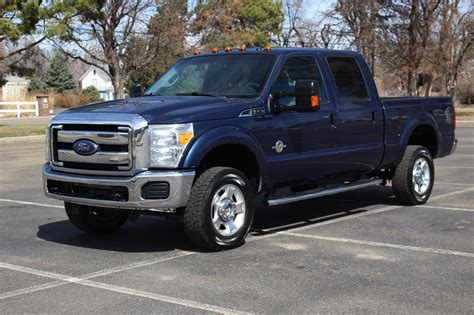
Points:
(198, 214)
(403, 180)
(95, 220)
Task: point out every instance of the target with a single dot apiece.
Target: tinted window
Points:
(297, 68)
(221, 75)
(349, 81)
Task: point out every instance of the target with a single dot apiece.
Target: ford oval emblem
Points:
(85, 147)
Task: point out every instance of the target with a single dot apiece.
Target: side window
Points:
(349, 81)
(297, 68)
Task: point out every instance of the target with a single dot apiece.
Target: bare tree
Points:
(293, 11)
(454, 49)
(360, 21)
(101, 33)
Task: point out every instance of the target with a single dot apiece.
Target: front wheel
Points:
(413, 179)
(95, 220)
(220, 209)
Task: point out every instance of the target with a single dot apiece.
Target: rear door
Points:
(360, 117)
(303, 144)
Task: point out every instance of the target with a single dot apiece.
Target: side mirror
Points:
(307, 95)
(136, 90)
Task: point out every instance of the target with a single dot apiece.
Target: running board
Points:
(320, 193)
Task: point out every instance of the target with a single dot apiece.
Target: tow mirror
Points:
(307, 96)
(136, 90)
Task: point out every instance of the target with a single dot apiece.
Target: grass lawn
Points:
(21, 130)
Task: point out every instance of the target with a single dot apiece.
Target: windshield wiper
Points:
(195, 94)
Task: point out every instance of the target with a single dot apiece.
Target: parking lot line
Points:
(453, 184)
(63, 279)
(455, 167)
(85, 276)
(135, 265)
(369, 212)
(378, 244)
(32, 289)
(446, 208)
(162, 298)
(32, 203)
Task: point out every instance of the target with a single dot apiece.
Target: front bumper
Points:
(180, 183)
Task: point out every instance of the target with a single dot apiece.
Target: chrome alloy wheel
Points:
(421, 176)
(228, 210)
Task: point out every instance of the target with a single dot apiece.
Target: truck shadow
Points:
(155, 234)
(148, 234)
(270, 220)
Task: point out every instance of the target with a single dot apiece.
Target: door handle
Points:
(373, 117)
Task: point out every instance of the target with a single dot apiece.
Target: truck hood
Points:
(171, 109)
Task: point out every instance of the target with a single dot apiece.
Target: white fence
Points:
(19, 109)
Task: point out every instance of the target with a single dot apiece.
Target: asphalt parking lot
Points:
(354, 252)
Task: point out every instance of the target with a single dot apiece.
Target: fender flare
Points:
(419, 121)
(216, 137)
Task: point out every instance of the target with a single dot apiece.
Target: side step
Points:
(324, 192)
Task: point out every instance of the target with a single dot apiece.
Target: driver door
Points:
(304, 144)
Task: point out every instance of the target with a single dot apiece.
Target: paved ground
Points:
(41, 120)
(355, 252)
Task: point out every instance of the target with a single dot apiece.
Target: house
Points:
(15, 88)
(100, 80)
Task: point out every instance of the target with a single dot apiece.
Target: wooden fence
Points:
(18, 108)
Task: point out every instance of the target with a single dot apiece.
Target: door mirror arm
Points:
(136, 90)
(273, 106)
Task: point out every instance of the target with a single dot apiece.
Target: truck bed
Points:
(402, 114)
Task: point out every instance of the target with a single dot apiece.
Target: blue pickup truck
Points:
(218, 129)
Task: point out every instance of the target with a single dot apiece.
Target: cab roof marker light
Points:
(215, 50)
(196, 52)
(228, 49)
(242, 47)
(267, 47)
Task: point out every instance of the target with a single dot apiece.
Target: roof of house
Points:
(90, 69)
(13, 78)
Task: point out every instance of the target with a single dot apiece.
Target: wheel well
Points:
(425, 136)
(236, 156)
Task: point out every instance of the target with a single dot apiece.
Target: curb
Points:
(22, 139)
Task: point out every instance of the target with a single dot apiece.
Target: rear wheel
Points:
(220, 209)
(413, 179)
(95, 220)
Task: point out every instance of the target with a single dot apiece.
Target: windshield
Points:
(219, 75)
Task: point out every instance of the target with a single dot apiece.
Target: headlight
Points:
(168, 142)
(47, 143)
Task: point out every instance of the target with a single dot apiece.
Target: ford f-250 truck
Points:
(218, 129)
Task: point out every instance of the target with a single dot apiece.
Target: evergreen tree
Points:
(59, 76)
(37, 85)
(92, 93)
(233, 22)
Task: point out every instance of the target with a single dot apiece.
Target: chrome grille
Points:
(114, 152)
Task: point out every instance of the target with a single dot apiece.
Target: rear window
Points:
(349, 81)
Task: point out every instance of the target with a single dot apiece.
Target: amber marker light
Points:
(228, 49)
(314, 100)
(185, 137)
(242, 47)
(267, 47)
(214, 50)
(196, 52)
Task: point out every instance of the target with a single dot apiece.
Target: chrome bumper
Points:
(180, 183)
(455, 145)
